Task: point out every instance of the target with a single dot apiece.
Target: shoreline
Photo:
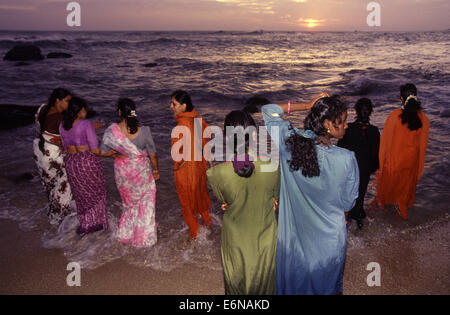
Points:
(412, 264)
(27, 268)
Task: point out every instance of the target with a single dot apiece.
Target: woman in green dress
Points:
(249, 229)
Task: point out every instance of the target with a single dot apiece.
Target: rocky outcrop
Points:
(15, 116)
(24, 53)
(58, 55)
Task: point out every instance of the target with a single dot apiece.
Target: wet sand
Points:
(27, 268)
(411, 264)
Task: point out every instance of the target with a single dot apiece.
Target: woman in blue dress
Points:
(319, 183)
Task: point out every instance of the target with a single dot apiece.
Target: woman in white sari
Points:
(49, 156)
(135, 177)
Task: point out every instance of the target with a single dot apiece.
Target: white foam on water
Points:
(172, 250)
(90, 251)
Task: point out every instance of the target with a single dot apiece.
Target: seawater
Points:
(221, 70)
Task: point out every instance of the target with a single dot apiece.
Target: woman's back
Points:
(143, 140)
(400, 146)
(364, 140)
(83, 133)
(324, 197)
(249, 229)
(402, 161)
(311, 224)
(252, 198)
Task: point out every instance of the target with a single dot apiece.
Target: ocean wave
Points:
(364, 86)
(32, 37)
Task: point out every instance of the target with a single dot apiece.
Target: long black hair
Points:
(240, 118)
(183, 97)
(303, 150)
(57, 94)
(364, 109)
(76, 104)
(128, 112)
(411, 107)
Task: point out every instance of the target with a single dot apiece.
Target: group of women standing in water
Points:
(317, 183)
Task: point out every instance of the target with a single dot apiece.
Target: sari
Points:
(312, 235)
(52, 173)
(249, 228)
(402, 160)
(190, 175)
(86, 177)
(137, 188)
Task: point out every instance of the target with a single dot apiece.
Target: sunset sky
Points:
(320, 15)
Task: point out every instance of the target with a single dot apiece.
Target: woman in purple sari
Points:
(84, 167)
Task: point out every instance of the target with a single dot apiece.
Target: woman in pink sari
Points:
(135, 177)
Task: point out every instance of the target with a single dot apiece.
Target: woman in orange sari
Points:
(403, 144)
(190, 166)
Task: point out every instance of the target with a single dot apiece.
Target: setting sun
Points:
(310, 23)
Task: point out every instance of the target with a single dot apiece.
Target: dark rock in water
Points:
(23, 178)
(59, 55)
(363, 86)
(17, 179)
(253, 104)
(91, 113)
(24, 53)
(14, 116)
(20, 64)
(445, 113)
(150, 65)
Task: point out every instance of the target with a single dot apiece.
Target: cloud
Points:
(251, 6)
(226, 14)
(17, 7)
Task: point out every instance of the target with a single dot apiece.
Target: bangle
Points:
(155, 171)
(289, 107)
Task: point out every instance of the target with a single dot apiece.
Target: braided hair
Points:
(303, 150)
(128, 112)
(240, 118)
(364, 109)
(411, 107)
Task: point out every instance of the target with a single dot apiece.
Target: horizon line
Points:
(222, 30)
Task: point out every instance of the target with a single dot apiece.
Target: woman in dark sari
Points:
(84, 167)
(364, 139)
